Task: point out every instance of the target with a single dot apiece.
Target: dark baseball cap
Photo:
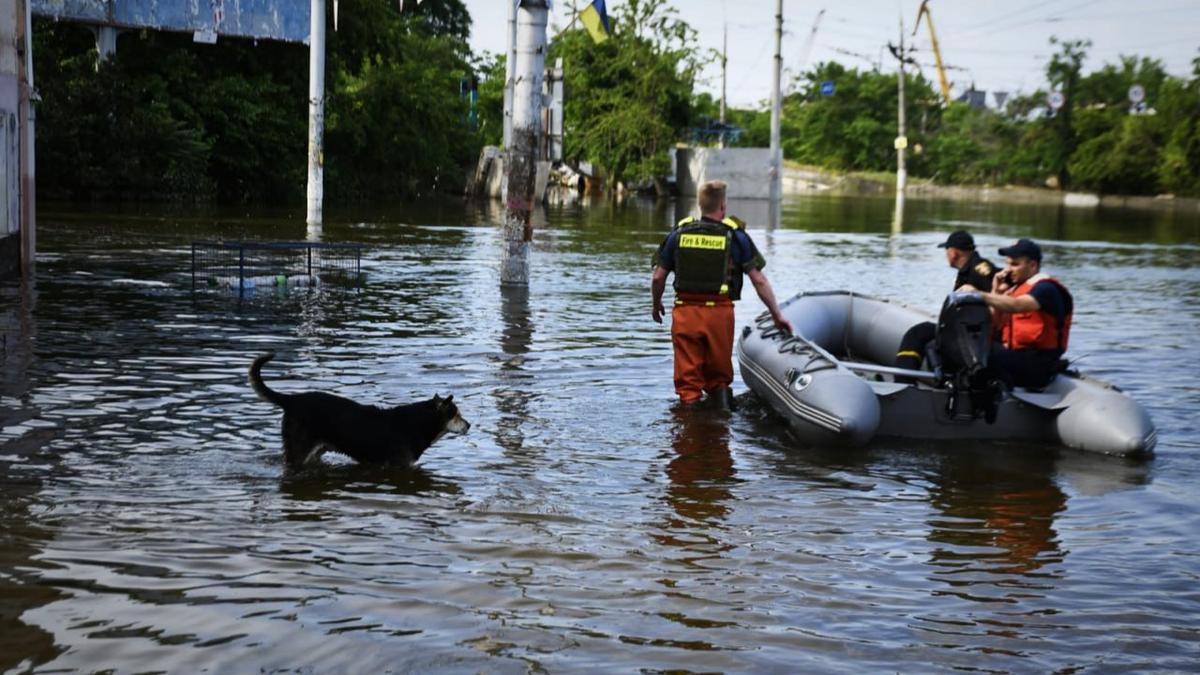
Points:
(1024, 248)
(960, 239)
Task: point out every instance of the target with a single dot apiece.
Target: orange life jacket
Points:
(1039, 329)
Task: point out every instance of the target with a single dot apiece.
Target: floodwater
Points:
(583, 524)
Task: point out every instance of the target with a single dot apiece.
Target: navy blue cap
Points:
(960, 239)
(1024, 248)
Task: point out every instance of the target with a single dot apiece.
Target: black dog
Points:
(314, 422)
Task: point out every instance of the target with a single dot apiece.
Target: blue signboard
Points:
(827, 88)
(285, 20)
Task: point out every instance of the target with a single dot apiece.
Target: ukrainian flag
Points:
(595, 18)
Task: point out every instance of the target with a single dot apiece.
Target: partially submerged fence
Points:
(248, 265)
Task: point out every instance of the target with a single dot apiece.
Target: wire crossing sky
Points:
(997, 45)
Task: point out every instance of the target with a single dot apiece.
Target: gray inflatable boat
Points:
(834, 383)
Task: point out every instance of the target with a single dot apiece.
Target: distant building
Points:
(975, 98)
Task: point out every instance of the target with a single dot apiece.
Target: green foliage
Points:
(628, 99)
(397, 119)
(491, 99)
(169, 119)
(855, 128)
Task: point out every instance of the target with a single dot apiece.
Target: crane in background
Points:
(937, 53)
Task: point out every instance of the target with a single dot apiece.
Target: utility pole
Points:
(724, 64)
(901, 143)
(521, 161)
(777, 107)
(26, 99)
(316, 115)
(510, 66)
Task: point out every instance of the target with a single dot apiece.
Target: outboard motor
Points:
(964, 338)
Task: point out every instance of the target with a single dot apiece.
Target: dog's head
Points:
(452, 420)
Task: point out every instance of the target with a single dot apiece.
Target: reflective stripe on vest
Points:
(703, 255)
(1038, 329)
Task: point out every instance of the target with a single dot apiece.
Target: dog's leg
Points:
(299, 447)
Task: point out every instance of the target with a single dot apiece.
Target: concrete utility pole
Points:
(316, 114)
(521, 161)
(777, 107)
(901, 137)
(724, 64)
(510, 67)
(27, 95)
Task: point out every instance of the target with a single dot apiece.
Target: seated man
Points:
(1032, 311)
(972, 269)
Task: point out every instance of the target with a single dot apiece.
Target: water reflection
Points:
(701, 473)
(22, 464)
(352, 481)
(995, 521)
(514, 393)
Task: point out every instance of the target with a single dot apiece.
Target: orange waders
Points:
(702, 335)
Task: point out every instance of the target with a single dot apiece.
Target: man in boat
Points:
(973, 269)
(1032, 312)
(708, 255)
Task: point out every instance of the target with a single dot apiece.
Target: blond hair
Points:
(712, 195)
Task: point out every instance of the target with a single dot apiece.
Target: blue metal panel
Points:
(285, 20)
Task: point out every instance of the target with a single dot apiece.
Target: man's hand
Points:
(1000, 282)
(658, 283)
(782, 324)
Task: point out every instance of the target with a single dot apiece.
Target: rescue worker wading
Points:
(708, 255)
(1032, 312)
(973, 269)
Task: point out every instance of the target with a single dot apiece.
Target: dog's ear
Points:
(450, 398)
(437, 399)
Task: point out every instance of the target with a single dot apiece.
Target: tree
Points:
(853, 129)
(628, 99)
(1063, 73)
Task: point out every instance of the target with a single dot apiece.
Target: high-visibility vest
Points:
(1038, 329)
(704, 257)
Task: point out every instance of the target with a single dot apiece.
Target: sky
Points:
(997, 45)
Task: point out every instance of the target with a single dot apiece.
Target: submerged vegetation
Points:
(167, 119)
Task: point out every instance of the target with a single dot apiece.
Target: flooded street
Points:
(583, 523)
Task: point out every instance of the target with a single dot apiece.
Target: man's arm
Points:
(765, 293)
(1007, 303)
(658, 284)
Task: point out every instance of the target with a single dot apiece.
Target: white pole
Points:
(777, 106)
(28, 220)
(901, 142)
(510, 67)
(724, 64)
(521, 162)
(316, 113)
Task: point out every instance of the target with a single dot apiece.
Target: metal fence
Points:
(249, 265)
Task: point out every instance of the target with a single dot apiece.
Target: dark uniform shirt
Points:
(978, 272)
(743, 254)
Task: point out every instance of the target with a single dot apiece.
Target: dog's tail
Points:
(264, 392)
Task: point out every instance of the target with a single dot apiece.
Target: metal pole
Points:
(316, 112)
(777, 107)
(521, 162)
(510, 67)
(901, 137)
(28, 220)
(724, 64)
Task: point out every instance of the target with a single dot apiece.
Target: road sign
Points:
(1137, 94)
(1055, 99)
(827, 88)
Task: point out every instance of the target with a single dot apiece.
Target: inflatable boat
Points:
(834, 383)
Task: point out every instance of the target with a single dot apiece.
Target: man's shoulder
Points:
(983, 267)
